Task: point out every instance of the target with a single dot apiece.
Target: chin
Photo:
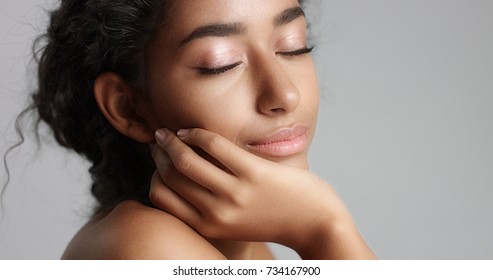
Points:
(298, 161)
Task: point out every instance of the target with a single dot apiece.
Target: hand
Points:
(243, 197)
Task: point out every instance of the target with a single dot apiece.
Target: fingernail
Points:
(161, 135)
(182, 133)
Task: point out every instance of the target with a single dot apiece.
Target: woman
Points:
(197, 117)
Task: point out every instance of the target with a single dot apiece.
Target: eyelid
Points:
(226, 68)
(217, 70)
(298, 52)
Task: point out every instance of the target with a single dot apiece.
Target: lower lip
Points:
(282, 148)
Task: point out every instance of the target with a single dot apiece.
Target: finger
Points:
(196, 194)
(167, 200)
(237, 160)
(189, 190)
(190, 164)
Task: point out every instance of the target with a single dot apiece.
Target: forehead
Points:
(183, 16)
(194, 10)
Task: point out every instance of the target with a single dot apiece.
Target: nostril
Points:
(278, 103)
(278, 110)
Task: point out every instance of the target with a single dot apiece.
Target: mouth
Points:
(284, 142)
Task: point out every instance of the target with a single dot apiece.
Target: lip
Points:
(283, 142)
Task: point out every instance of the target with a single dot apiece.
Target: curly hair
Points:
(84, 39)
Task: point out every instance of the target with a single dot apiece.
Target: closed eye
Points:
(224, 69)
(297, 52)
(218, 70)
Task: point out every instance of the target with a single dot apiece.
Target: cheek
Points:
(308, 85)
(220, 110)
(175, 114)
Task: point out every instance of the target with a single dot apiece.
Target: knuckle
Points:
(156, 196)
(194, 133)
(237, 199)
(240, 198)
(213, 141)
(184, 162)
(224, 217)
(166, 175)
(256, 174)
(161, 165)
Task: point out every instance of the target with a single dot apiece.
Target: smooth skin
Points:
(211, 105)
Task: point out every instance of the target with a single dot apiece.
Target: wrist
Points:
(336, 239)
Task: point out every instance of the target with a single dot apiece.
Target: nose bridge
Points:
(277, 93)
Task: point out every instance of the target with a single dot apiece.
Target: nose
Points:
(277, 94)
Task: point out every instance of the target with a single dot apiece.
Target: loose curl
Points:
(84, 40)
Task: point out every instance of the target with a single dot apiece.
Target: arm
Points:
(250, 198)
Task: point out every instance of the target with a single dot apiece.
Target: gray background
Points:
(405, 131)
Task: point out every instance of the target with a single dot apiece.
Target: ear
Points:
(120, 103)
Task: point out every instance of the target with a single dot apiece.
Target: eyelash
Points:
(217, 71)
(220, 70)
(297, 52)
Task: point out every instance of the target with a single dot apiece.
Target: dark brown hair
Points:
(84, 39)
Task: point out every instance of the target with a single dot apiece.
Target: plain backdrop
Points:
(405, 132)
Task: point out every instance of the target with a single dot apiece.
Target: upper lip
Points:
(281, 135)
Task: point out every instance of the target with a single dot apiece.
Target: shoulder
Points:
(134, 231)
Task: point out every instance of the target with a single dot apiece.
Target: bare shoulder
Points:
(134, 231)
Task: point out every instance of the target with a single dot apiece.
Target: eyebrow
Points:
(216, 30)
(288, 16)
(237, 28)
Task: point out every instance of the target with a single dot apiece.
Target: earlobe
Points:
(117, 101)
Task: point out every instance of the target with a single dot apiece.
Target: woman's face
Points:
(238, 68)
